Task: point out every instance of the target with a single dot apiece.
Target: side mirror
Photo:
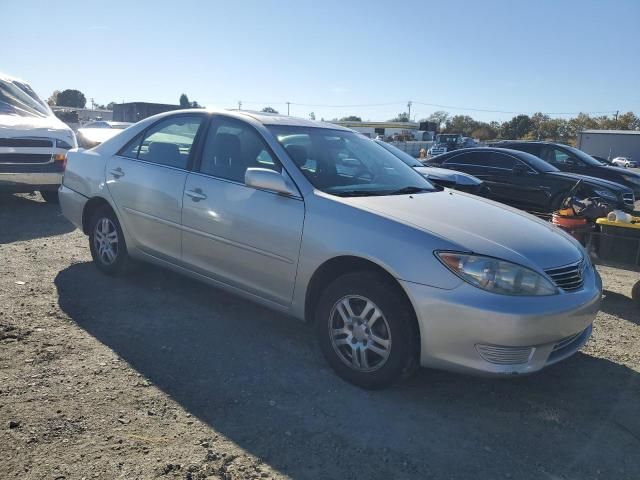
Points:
(266, 179)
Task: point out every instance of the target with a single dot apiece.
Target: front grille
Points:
(503, 355)
(26, 142)
(569, 277)
(629, 199)
(25, 157)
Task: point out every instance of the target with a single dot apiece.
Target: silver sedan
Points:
(323, 224)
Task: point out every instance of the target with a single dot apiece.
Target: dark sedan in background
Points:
(525, 181)
(569, 159)
(440, 176)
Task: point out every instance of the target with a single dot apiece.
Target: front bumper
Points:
(472, 331)
(27, 178)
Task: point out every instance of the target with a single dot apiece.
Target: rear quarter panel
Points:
(85, 173)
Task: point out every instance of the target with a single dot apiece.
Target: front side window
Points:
(345, 163)
(233, 146)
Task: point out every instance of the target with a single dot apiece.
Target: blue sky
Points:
(542, 55)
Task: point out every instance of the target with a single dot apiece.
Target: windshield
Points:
(404, 156)
(17, 98)
(586, 158)
(345, 163)
(447, 138)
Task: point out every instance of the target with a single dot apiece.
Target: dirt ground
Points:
(158, 376)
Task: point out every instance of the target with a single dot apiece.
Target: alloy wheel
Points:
(359, 333)
(105, 240)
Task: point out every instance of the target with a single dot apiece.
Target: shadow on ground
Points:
(33, 209)
(258, 378)
(621, 306)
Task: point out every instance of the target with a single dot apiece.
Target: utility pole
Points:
(93, 104)
(616, 117)
(239, 105)
(288, 103)
(409, 107)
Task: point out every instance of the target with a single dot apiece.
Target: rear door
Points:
(239, 235)
(146, 181)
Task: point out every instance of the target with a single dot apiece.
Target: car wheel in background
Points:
(367, 330)
(107, 244)
(50, 196)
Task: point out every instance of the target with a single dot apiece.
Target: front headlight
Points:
(63, 144)
(496, 276)
(608, 194)
(632, 179)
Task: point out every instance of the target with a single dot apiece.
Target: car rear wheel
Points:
(50, 196)
(107, 244)
(366, 331)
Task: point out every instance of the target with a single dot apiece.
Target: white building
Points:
(610, 143)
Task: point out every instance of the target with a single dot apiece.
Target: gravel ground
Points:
(158, 376)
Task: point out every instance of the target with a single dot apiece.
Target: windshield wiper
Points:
(407, 190)
(357, 193)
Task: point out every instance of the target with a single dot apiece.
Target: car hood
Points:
(459, 178)
(478, 225)
(98, 135)
(12, 126)
(600, 182)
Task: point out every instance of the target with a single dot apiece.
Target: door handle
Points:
(195, 194)
(117, 172)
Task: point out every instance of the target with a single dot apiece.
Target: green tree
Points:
(110, 105)
(71, 98)
(53, 99)
(439, 118)
(269, 110)
(401, 117)
(312, 116)
(518, 127)
(184, 101)
(463, 124)
(627, 121)
(485, 131)
(351, 118)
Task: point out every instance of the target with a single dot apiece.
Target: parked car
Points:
(94, 133)
(440, 176)
(569, 159)
(623, 162)
(33, 142)
(525, 181)
(319, 222)
(445, 142)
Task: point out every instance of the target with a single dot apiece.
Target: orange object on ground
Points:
(567, 221)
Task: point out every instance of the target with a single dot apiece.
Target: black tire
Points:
(50, 196)
(397, 321)
(121, 262)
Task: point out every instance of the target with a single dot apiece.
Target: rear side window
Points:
(167, 143)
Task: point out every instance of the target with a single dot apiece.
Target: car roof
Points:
(261, 117)
(484, 149)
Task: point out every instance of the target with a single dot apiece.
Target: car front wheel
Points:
(107, 244)
(366, 330)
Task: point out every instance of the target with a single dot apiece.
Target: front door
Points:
(242, 236)
(146, 181)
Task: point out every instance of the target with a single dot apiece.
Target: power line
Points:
(413, 102)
